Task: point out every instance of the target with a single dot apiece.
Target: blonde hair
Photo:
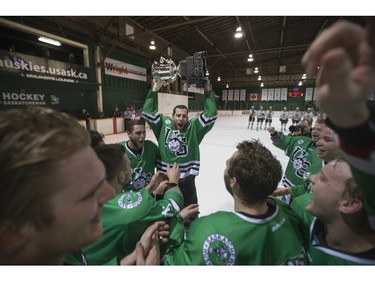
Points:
(32, 141)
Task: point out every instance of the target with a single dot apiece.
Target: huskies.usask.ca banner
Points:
(41, 68)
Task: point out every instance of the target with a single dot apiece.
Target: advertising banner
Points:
(125, 70)
(42, 68)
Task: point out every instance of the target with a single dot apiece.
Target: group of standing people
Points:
(265, 116)
(60, 196)
(261, 116)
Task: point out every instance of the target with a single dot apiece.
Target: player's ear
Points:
(233, 182)
(350, 206)
(12, 239)
(121, 177)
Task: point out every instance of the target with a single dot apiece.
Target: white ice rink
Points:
(217, 146)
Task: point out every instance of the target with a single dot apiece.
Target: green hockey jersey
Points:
(301, 151)
(175, 146)
(143, 166)
(231, 238)
(125, 218)
(318, 252)
(313, 169)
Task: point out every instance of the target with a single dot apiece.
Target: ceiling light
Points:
(152, 46)
(300, 83)
(304, 76)
(49, 41)
(261, 84)
(238, 33)
(227, 86)
(259, 77)
(207, 73)
(256, 70)
(218, 79)
(250, 57)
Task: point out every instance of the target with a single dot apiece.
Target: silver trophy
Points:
(192, 70)
(164, 71)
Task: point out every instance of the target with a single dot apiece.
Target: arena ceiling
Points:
(277, 43)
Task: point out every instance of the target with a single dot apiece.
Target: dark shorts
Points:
(188, 190)
(283, 121)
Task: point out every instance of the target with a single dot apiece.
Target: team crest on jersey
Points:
(218, 250)
(300, 164)
(175, 143)
(130, 200)
(140, 179)
(167, 121)
(167, 211)
(300, 141)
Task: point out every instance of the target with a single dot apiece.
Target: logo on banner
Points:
(55, 100)
(22, 98)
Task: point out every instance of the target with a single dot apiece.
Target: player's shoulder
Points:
(150, 143)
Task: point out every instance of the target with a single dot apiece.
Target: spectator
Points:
(85, 116)
(117, 112)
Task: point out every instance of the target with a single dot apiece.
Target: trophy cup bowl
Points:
(192, 70)
(164, 71)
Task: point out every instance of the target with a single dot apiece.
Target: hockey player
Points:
(308, 116)
(250, 176)
(268, 117)
(301, 151)
(333, 219)
(296, 116)
(284, 118)
(327, 150)
(179, 138)
(260, 117)
(129, 213)
(52, 187)
(143, 154)
(252, 114)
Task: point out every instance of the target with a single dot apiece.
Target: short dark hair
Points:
(112, 156)
(257, 171)
(96, 138)
(180, 106)
(133, 123)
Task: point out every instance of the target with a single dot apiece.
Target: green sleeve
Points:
(176, 236)
(286, 141)
(297, 190)
(151, 114)
(210, 109)
(207, 118)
